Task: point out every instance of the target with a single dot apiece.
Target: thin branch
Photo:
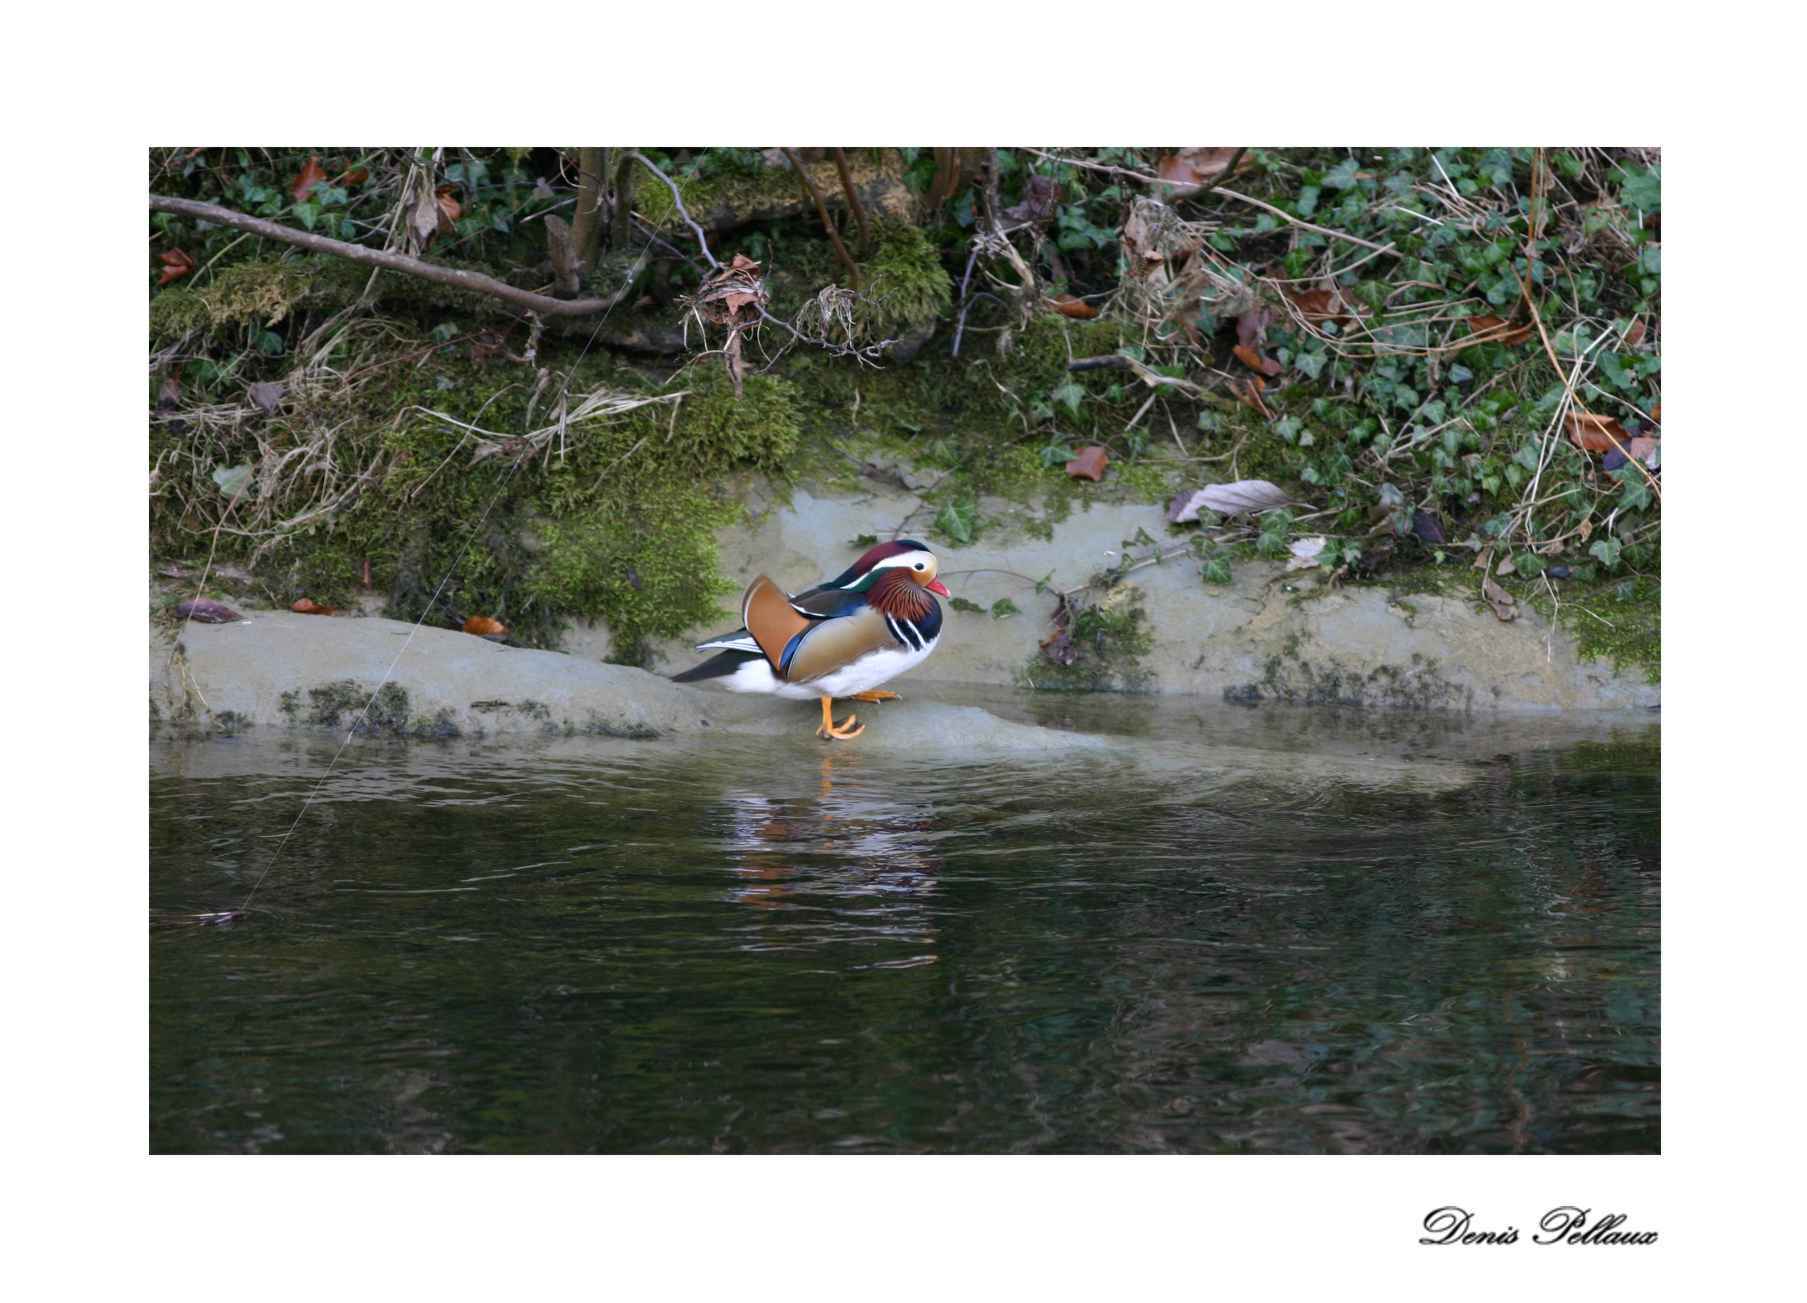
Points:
(678, 201)
(809, 188)
(476, 282)
(853, 195)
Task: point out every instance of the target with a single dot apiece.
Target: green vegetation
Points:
(411, 437)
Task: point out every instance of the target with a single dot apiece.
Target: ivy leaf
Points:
(1607, 550)
(1643, 190)
(956, 521)
(1342, 176)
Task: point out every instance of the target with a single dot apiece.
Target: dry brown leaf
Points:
(1319, 305)
(1251, 327)
(1068, 306)
(1641, 448)
(311, 175)
(484, 626)
(1239, 497)
(1250, 391)
(1596, 434)
(308, 606)
(1656, 413)
(449, 205)
(356, 176)
(1489, 329)
(176, 265)
(1504, 604)
(1090, 463)
(1635, 335)
(1255, 362)
(1190, 168)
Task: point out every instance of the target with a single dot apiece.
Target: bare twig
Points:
(815, 195)
(677, 200)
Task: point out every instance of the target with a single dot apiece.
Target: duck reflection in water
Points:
(853, 859)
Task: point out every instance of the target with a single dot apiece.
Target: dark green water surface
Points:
(1273, 932)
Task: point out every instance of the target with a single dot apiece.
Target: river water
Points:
(1265, 931)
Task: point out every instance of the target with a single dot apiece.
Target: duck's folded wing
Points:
(831, 644)
(771, 621)
(827, 603)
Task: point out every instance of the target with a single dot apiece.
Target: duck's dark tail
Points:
(717, 666)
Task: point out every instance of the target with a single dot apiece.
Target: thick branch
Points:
(476, 282)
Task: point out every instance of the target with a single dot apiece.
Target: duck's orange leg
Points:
(877, 694)
(839, 732)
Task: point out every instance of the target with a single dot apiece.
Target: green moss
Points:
(1619, 621)
(905, 286)
(749, 191)
(1108, 635)
(261, 291)
(334, 704)
(176, 312)
(1415, 685)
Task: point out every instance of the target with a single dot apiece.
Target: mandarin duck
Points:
(841, 638)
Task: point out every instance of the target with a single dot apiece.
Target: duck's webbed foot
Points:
(837, 732)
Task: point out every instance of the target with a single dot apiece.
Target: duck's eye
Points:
(919, 565)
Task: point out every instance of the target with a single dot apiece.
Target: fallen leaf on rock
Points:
(1068, 306)
(308, 606)
(1597, 434)
(176, 265)
(484, 626)
(1255, 362)
(1234, 499)
(311, 175)
(1188, 169)
(205, 611)
(1504, 604)
(1305, 552)
(1495, 330)
(1090, 463)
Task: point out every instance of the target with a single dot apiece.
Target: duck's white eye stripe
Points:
(907, 559)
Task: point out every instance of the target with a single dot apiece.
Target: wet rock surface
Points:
(1269, 636)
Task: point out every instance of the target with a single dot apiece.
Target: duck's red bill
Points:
(936, 586)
